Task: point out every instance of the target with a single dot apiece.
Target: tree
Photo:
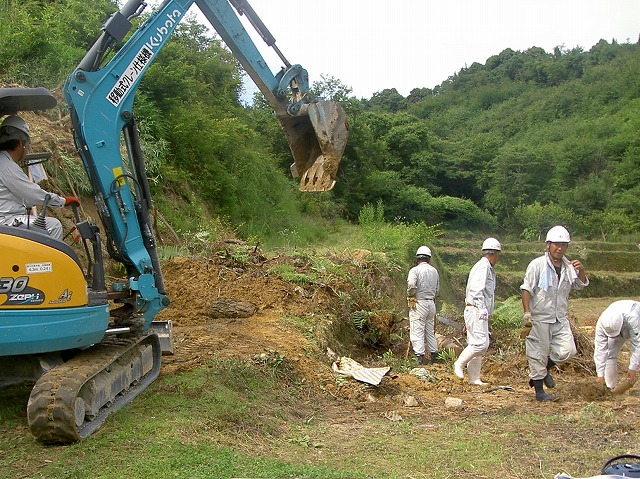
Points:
(331, 88)
(40, 44)
(388, 100)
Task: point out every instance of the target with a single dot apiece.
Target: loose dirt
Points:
(274, 332)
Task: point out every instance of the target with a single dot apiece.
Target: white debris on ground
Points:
(423, 374)
(349, 367)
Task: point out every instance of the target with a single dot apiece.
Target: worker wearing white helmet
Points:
(479, 299)
(423, 283)
(548, 281)
(619, 322)
(18, 194)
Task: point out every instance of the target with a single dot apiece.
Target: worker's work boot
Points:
(435, 358)
(459, 365)
(539, 387)
(473, 369)
(457, 370)
(420, 359)
(548, 379)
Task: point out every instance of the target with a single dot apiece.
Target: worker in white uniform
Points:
(423, 283)
(479, 300)
(18, 194)
(548, 281)
(619, 322)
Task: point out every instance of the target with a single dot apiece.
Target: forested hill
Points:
(524, 141)
(530, 137)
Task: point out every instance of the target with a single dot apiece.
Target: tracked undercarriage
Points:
(72, 400)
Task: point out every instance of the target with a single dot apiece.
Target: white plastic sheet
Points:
(357, 371)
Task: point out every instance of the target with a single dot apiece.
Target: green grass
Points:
(208, 423)
(255, 419)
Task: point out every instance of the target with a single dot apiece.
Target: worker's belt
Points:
(472, 305)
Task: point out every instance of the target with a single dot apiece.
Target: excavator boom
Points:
(316, 129)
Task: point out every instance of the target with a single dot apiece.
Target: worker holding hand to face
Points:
(548, 281)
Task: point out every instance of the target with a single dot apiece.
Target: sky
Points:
(372, 45)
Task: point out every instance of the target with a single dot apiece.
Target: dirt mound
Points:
(193, 284)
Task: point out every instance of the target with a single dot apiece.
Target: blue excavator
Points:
(90, 347)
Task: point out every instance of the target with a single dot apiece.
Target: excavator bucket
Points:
(317, 139)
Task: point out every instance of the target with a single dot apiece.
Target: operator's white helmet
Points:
(558, 234)
(16, 122)
(423, 251)
(491, 244)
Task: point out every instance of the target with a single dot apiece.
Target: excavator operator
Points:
(18, 194)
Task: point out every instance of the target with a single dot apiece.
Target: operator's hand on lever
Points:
(71, 200)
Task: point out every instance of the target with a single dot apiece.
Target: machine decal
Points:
(162, 32)
(13, 285)
(64, 297)
(128, 78)
(46, 267)
(19, 292)
(140, 61)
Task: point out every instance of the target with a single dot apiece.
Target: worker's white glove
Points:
(526, 325)
(484, 314)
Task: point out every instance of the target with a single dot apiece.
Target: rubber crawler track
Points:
(51, 407)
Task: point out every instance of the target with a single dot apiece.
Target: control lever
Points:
(39, 222)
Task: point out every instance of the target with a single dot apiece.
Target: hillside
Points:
(524, 141)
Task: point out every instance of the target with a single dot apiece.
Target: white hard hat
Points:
(491, 243)
(558, 234)
(16, 122)
(612, 324)
(423, 251)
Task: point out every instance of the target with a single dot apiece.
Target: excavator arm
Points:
(316, 129)
(100, 98)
